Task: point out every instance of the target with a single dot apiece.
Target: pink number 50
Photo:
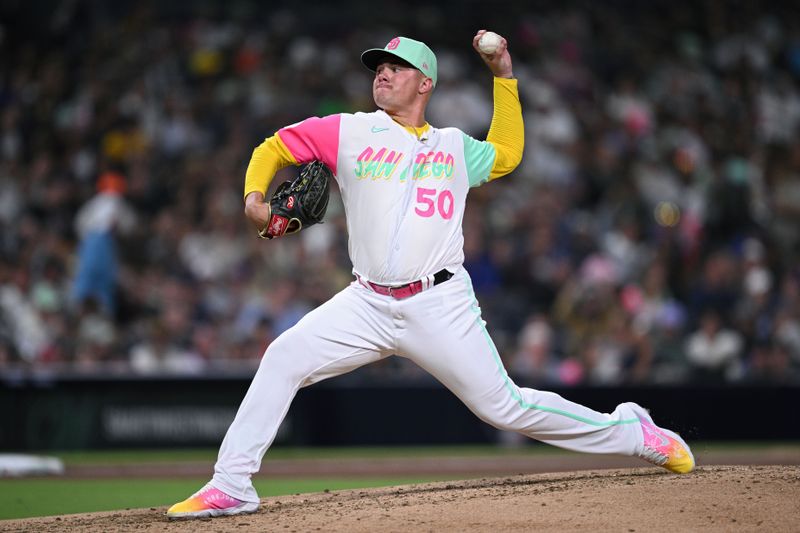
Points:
(444, 203)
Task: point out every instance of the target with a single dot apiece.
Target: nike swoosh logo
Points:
(664, 441)
(378, 130)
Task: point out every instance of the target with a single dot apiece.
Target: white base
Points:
(19, 465)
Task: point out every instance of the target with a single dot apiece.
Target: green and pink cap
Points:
(413, 52)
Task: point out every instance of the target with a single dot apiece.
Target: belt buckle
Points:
(415, 287)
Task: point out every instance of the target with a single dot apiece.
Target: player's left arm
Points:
(507, 132)
(268, 157)
(310, 140)
(313, 139)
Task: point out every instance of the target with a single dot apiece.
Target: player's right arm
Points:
(507, 133)
(312, 139)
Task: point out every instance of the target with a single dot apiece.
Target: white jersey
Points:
(404, 196)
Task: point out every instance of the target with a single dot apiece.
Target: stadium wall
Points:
(82, 413)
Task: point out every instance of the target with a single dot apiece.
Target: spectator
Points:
(96, 334)
(714, 351)
(158, 354)
(772, 363)
(717, 289)
(786, 333)
(23, 325)
(97, 223)
(669, 359)
(535, 359)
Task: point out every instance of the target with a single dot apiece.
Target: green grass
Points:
(20, 498)
(210, 455)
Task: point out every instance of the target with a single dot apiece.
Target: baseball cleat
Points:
(208, 502)
(663, 447)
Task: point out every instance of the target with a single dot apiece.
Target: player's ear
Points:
(426, 85)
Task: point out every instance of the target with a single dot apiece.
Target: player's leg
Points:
(446, 336)
(344, 333)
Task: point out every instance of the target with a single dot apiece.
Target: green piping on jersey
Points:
(513, 389)
(479, 156)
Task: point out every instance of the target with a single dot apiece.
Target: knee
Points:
(284, 357)
(505, 417)
(503, 424)
(274, 358)
(280, 349)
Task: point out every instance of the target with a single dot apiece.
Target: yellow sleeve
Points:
(268, 157)
(507, 132)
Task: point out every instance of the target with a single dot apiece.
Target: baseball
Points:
(489, 42)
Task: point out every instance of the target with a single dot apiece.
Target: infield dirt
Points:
(713, 498)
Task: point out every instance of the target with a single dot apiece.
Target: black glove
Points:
(299, 203)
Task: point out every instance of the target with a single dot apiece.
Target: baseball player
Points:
(404, 185)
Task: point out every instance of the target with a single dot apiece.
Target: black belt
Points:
(442, 276)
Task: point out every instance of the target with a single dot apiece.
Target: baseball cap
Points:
(413, 52)
(111, 182)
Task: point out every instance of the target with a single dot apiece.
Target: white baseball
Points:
(489, 42)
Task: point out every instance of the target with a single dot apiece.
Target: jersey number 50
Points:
(444, 203)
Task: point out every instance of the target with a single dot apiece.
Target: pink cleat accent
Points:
(210, 501)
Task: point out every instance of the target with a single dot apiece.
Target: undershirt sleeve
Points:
(268, 157)
(507, 132)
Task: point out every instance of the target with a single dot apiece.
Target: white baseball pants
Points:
(439, 329)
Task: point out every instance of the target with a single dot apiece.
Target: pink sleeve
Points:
(313, 139)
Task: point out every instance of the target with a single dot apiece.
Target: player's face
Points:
(396, 86)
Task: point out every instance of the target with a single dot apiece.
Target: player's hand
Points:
(500, 61)
(257, 210)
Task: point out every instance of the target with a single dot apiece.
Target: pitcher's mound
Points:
(719, 498)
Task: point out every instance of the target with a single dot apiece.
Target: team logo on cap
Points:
(394, 43)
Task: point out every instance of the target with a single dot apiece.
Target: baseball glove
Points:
(299, 203)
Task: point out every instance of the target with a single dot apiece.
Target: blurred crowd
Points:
(651, 234)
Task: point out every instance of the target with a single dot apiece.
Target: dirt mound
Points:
(718, 498)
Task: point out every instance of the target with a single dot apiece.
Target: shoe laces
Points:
(201, 492)
(216, 498)
(654, 456)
